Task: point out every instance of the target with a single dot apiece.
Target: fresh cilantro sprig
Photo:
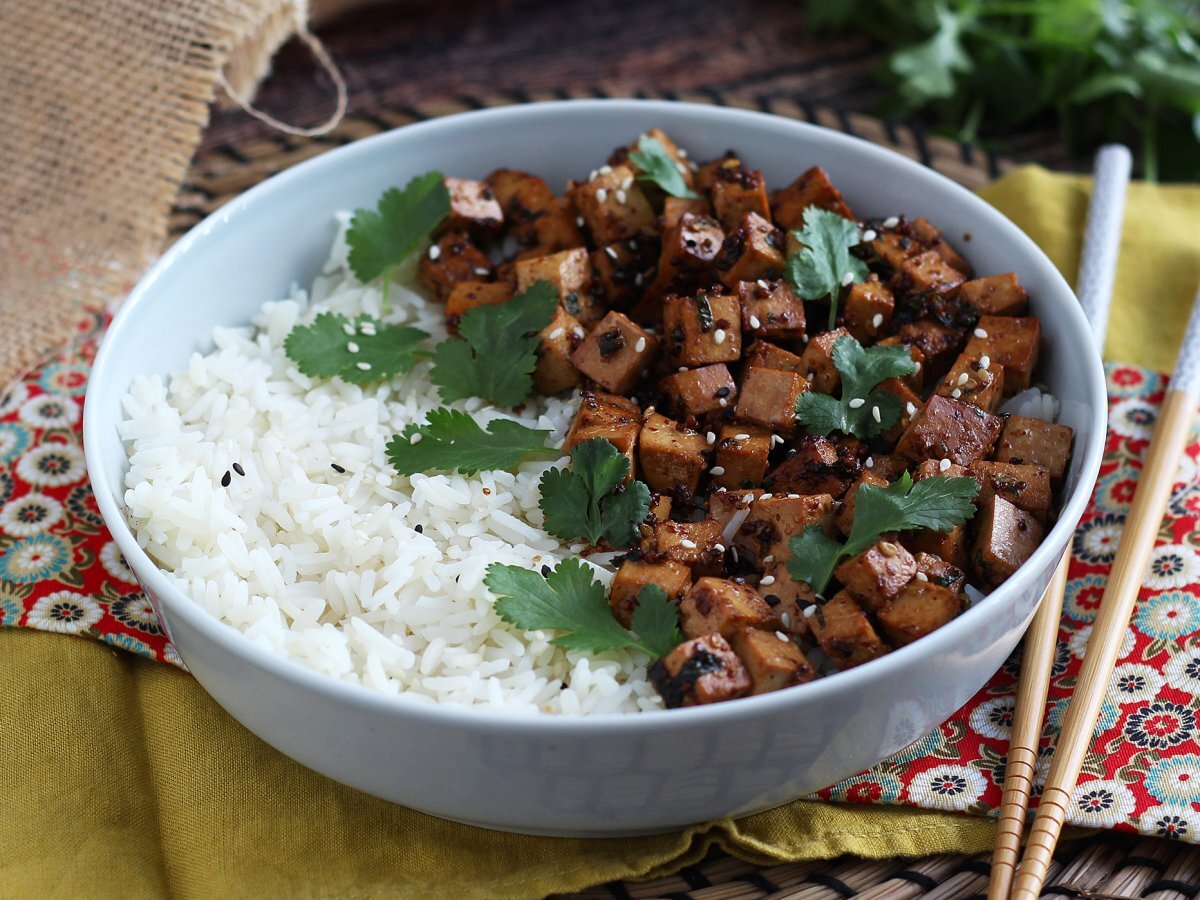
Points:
(823, 266)
(590, 500)
(571, 601)
(939, 503)
(497, 352)
(360, 352)
(862, 370)
(452, 440)
(659, 168)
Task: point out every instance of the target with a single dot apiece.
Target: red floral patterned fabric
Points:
(60, 571)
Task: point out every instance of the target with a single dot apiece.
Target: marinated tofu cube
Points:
(622, 269)
(770, 309)
(813, 188)
(673, 458)
(1013, 342)
(608, 416)
(937, 570)
(1036, 442)
(702, 330)
(768, 398)
(817, 361)
(689, 249)
(845, 633)
(704, 670)
(877, 575)
(660, 511)
(616, 353)
(742, 452)
(915, 381)
(978, 381)
(895, 247)
(775, 520)
(996, 295)
(939, 344)
(720, 606)
(694, 544)
(634, 575)
(771, 658)
(950, 429)
(867, 311)
(928, 273)
(695, 392)
(819, 465)
(932, 238)
(521, 196)
(919, 610)
(551, 231)
(888, 465)
(473, 207)
(787, 596)
(932, 468)
(555, 371)
(675, 207)
(613, 206)
(466, 295)
(452, 259)
(766, 355)
(571, 274)
(1026, 487)
(952, 546)
(752, 252)
(910, 405)
(737, 191)
(1007, 537)
(706, 173)
(845, 515)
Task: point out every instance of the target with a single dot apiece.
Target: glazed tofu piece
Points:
(771, 309)
(696, 392)
(613, 206)
(932, 238)
(555, 371)
(571, 274)
(819, 465)
(845, 633)
(608, 416)
(996, 295)
(768, 398)
(452, 259)
(813, 188)
(1026, 487)
(675, 207)
(867, 311)
(952, 546)
(876, 576)
(845, 515)
(521, 196)
(634, 575)
(742, 453)
(978, 381)
(1013, 343)
(693, 544)
(616, 353)
(771, 658)
(622, 269)
(1036, 442)
(473, 207)
(673, 458)
(939, 344)
(928, 273)
(817, 361)
(752, 252)
(552, 231)
(938, 571)
(720, 606)
(766, 355)
(921, 608)
(1007, 537)
(787, 596)
(702, 330)
(736, 191)
(950, 429)
(895, 247)
(704, 670)
(689, 250)
(910, 405)
(706, 173)
(932, 468)
(774, 520)
(467, 295)
(659, 512)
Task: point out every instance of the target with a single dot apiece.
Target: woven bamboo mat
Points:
(1105, 867)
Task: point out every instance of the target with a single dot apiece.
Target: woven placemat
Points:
(1109, 866)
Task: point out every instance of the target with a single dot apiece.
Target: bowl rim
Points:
(510, 722)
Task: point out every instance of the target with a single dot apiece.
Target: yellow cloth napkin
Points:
(122, 778)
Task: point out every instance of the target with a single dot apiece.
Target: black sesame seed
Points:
(545, 571)
(773, 599)
(225, 480)
(721, 393)
(237, 467)
(337, 468)
(419, 529)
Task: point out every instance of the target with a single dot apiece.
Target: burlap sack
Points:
(103, 104)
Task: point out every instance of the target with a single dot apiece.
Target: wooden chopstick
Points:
(1170, 438)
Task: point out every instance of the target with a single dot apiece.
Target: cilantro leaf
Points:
(823, 266)
(497, 352)
(334, 346)
(862, 370)
(659, 168)
(570, 600)
(939, 503)
(590, 500)
(928, 70)
(380, 240)
(452, 440)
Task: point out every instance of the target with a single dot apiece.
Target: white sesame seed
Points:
(640, 346)
(720, 548)
(416, 438)
(956, 393)
(755, 322)
(769, 558)
(349, 329)
(877, 320)
(875, 414)
(749, 498)
(870, 462)
(719, 336)
(556, 334)
(781, 636)
(741, 437)
(869, 235)
(633, 244)
(638, 279)
(916, 366)
(605, 169)
(786, 620)
(683, 154)
(717, 470)
(683, 169)
(352, 347)
(910, 408)
(724, 403)
(762, 283)
(689, 544)
(682, 369)
(985, 362)
(921, 576)
(810, 611)
(964, 378)
(944, 465)
(980, 333)
(435, 251)
(579, 221)
(367, 328)
(857, 402)
(765, 496)
(578, 332)
(847, 279)
(365, 366)
(776, 439)
(621, 196)
(481, 270)
(601, 195)
(627, 184)
(592, 175)
(710, 437)
(767, 580)
(891, 222)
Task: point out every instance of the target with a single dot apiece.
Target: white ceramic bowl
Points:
(608, 774)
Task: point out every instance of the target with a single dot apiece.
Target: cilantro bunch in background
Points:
(1101, 70)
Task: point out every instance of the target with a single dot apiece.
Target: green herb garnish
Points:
(590, 500)
(864, 410)
(938, 503)
(823, 266)
(451, 440)
(658, 167)
(360, 352)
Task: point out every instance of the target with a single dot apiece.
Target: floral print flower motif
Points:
(1182, 671)
(1126, 382)
(29, 515)
(869, 787)
(1168, 616)
(1083, 597)
(1134, 683)
(137, 612)
(1077, 642)
(1133, 418)
(115, 565)
(1102, 803)
(171, 655)
(50, 411)
(65, 612)
(11, 609)
(82, 507)
(1174, 821)
(1114, 492)
(1096, 540)
(952, 788)
(128, 642)
(1110, 713)
(52, 465)
(1185, 500)
(1175, 779)
(34, 559)
(11, 400)
(1160, 725)
(7, 487)
(1172, 566)
(14, 439)
(64, 378)
(994, 718)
